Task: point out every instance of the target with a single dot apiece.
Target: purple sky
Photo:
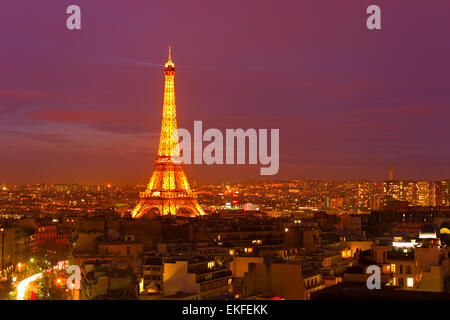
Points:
(84, 106)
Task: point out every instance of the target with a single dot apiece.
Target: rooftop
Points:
(358, 291)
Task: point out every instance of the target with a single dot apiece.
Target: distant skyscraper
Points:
(442, 193)
(416, 193)
(423, 196)
(392, 189)
(365, 190)
(391, 173)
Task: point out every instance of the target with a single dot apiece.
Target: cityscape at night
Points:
(287, 168)
(332, 229)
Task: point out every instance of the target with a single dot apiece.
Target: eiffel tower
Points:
(168, 192)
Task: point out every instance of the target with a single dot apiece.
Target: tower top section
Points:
(169, 66)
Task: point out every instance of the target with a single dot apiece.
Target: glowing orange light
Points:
(168, 189)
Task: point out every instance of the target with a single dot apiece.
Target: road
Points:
(24, 285)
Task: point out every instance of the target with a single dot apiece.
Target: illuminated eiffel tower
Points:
(168, 190)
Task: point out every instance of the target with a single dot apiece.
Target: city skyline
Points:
(221, 181)
(197, 181)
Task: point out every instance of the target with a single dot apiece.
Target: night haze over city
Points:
(84, 107)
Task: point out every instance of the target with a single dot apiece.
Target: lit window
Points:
(393, 268)
(410, 282)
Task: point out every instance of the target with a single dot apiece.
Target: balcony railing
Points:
(213, 275)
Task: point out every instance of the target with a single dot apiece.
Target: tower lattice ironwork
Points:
(168, 190)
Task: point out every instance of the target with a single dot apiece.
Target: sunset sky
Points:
(85, 106)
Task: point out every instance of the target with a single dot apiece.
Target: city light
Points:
(23, 285)
(410, 282)
(411, 244)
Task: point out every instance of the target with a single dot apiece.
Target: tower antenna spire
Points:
(170, 53)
